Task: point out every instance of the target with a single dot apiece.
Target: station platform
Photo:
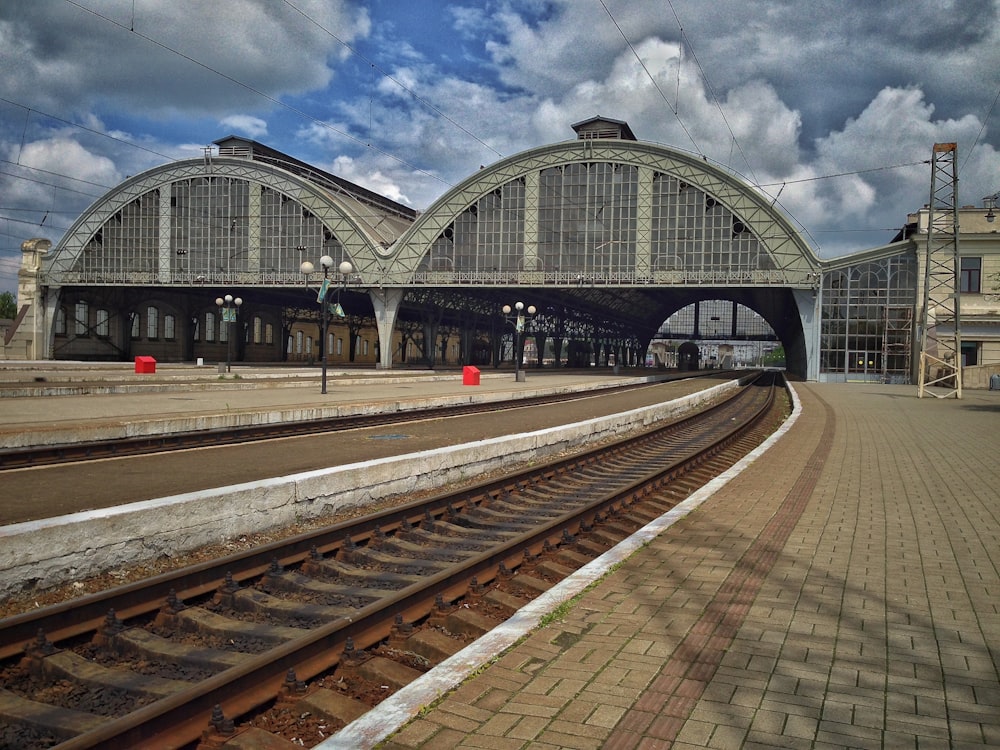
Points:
(57, 403)
(841, 591)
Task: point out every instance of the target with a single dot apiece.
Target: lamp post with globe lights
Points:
(345, 269)
(228, 308)
(517, 316)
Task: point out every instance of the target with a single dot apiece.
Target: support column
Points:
(644, 225)
(31, 337)
(166, 217)
(807, 304)
(530, 261)
(386, 303)
(253, 247)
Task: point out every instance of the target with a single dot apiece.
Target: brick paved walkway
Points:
(843, 591)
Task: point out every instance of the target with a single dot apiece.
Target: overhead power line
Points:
(83, 127)
(982, 128)
(392, 78)
(258, 92)
(708, 84)
(845, 174)
(674, 109)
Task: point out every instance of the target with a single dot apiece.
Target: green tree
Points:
(8, 305)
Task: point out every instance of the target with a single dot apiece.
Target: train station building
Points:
(603, 237)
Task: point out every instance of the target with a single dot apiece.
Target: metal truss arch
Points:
(790, 259)
(63, 268)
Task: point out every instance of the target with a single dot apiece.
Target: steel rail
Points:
(85, 614)
(181, 717)
(141, 597)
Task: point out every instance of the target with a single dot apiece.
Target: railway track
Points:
(174, 660)
(49, 455)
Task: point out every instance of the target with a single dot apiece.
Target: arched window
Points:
(210, 326)
(309, 345)
(134, 329)
(257, 329)
(268, 333)
(61, 321)
(169, 327)
(298, 342)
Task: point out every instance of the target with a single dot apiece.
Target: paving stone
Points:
(840, 592)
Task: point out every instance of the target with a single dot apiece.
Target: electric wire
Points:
(982, 129)
(711, 89)
(430, 106)
(649, 75)
(395, 80)
(845, 174)
(274, 100)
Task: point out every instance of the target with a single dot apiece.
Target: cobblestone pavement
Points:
(841, 592)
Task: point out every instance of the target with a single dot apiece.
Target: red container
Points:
(470, 376)
(145, 365)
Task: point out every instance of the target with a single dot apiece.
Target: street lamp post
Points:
(518, 321)
(346, 269)
(228, 307)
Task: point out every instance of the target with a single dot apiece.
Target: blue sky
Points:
(832, 106)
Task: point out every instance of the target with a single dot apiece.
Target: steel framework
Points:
(940, 331)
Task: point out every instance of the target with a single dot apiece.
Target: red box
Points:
(470, 376)
(145, 365)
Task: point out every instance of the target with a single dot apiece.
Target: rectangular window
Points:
(169, 327)
(81, 319)
(972, 269)
(339, 346)
(152, 323)
(970, 353)
(210, 326)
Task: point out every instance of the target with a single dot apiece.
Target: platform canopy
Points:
(603, 233)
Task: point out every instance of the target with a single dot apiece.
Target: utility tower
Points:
(940, 325)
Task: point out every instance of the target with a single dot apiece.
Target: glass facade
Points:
(588, 229)
(217, 225)
(867, 321)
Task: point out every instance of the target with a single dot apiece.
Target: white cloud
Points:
(248, 125)
(377, 181)
(181, 57)
(872, 86)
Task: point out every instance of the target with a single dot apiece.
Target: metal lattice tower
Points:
(941, 337)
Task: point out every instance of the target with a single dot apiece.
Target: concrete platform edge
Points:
(25, 435)
(49, 552)
(393, 713)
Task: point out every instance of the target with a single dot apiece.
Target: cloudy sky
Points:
(831, 106)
